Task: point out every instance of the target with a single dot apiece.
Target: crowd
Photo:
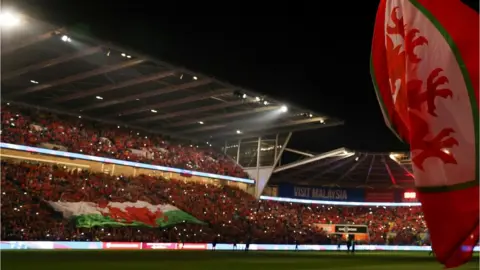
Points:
(230, 214)
(43, 129)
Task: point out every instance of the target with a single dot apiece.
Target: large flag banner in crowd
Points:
(425, 67)
(139, 213)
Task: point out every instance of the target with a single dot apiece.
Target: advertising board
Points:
(159, 246)
(192, 246)
(351, 229)
(122, 245)
(321, 193)
(43, 245)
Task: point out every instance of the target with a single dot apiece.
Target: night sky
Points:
(315, 55)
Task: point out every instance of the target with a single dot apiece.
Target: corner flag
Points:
(425, 68)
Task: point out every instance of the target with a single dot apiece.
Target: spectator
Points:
(41, 129)
(229, 213)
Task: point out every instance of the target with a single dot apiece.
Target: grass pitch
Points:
(218, 260)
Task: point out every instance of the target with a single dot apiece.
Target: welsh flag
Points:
(425, 68)
(140, 213)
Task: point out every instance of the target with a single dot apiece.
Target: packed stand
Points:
(43, 129)
(230, 215)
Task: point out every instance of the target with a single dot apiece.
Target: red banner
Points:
(122, 245)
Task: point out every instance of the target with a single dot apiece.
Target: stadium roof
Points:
(350, 169)
(67, 72)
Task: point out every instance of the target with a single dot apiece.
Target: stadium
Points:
(114, 159)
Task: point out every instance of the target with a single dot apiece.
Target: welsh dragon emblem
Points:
(414, 99)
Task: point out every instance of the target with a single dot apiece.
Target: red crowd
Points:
(42, 129)
(230, 214)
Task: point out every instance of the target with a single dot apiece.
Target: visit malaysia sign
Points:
(321, 193)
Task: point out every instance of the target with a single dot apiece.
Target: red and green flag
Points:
(425, 68)
(115, 214)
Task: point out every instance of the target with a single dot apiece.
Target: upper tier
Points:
(43, 129)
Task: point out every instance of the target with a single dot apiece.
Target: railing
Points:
(122, 162)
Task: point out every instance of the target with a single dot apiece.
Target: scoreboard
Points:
(410, 196)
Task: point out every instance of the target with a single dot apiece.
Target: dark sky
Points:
(315, 54)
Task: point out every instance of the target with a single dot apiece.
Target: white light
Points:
(356, 159)
(65, 38)
(33, 81)
(410, 195)
(128, 56)
(99, 97)
(124, 55)
(310, 115)
(154, 111)
(257, 99)
(201, 122)
(239, 132)
(265, 102)
(9, 19)
(304, 201)
(322, 121)
(283, 109)
(244, 96)
(195, 78)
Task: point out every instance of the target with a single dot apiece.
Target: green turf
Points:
(217, 260)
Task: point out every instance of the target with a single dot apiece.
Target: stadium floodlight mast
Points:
(9, 19)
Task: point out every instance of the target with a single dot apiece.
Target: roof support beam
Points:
(342, 163)
(224, 116)
(407, 171)
(370, 169)
(284, 147)
(32, 41)
(333, 153)
(110, 87)
(175, 102)
(51, 62)
(392, 178)
(299, 152)
(155, 93)
(275, 126)
(239, 123)
(265, 132)
(77, 77)
(403, 166)
(193, 111)
(345, 174)
(309, 168)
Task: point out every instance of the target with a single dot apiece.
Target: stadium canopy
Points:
(67, 72)
(351, 169)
